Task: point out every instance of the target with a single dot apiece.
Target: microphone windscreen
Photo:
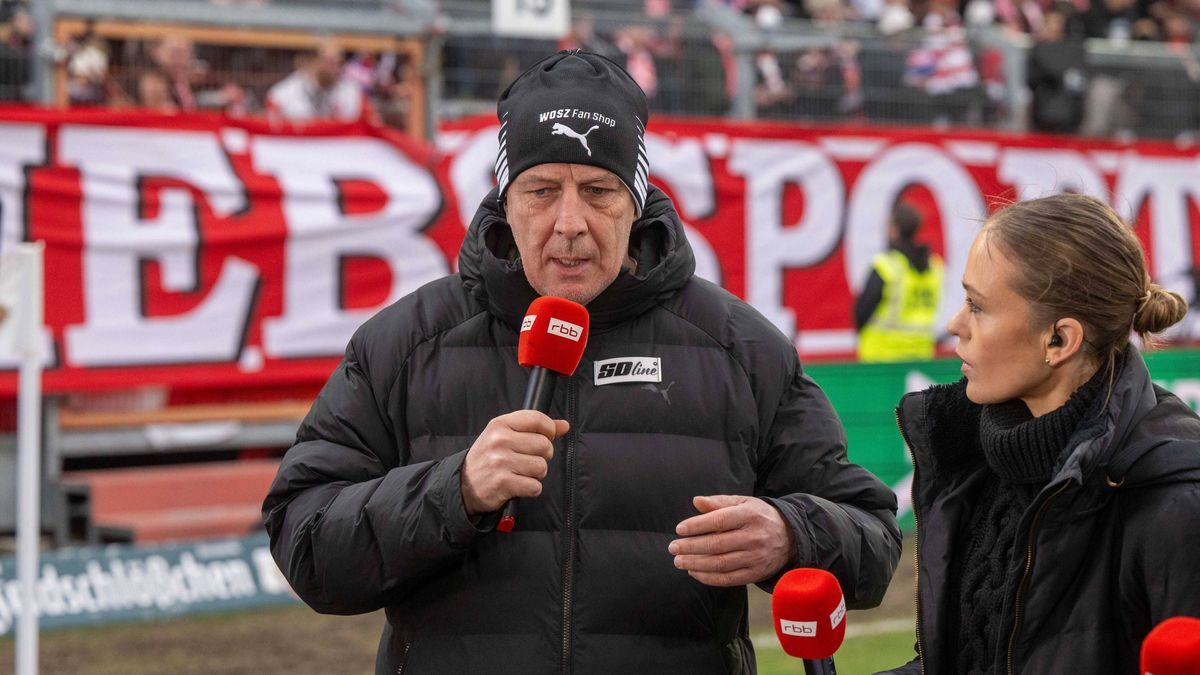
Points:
(553, 335)
(1172, 648)
(809, 612)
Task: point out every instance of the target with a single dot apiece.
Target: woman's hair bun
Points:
(1158, 310)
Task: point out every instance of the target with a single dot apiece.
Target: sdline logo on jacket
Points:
(628, 369)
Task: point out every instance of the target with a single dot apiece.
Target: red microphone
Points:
(553, 337)
(1172, 648)
(810, 613)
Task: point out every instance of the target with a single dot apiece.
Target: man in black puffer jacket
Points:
(389, 497)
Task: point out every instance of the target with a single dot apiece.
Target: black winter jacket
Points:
(1108, 549)
(366, 511)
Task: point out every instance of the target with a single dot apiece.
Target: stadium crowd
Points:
(892, 61)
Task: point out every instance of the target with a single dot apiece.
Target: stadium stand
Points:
(150, 502)
(166, 503)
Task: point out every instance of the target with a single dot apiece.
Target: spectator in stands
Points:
(1056, 72)
(1119, 21)
(980, 17)
(896, 311)
(772, 94)
(825, 83)
(691, 74)
(395, 90)
(887, 97)
(389, 81)
(1166, 94)
(943, 66)
(636, 43)
(583, 36)
(87, 72)
(1109, 109)
(1190, 11)
(392, 494)
(317, 90)
(154, 93)
(16, 56)
(895, 17)
(174, 58)
(771, 91)
(671, 61)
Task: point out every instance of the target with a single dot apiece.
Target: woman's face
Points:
(1003, 354)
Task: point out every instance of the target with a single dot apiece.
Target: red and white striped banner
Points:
(210, 252)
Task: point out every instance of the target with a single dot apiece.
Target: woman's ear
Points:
(1065, 340)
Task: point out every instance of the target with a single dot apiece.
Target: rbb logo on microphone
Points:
(838, 614)
(798, 628)
(810, 613)
(565, 329)
(553, 335)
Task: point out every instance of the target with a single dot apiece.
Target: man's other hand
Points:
(509, 459)
(736, 540)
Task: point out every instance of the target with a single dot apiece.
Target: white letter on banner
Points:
(1170, 184)
(117, 240)
(958, 200)
(772, 245)
(1036, 172)
(471, 171)
(683, 166)
(319, 235)
(21, 146)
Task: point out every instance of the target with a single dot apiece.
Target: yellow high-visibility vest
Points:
(902, 326)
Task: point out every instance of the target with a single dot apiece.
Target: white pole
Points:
(29, 464)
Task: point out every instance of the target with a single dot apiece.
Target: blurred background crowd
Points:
(1124, 68)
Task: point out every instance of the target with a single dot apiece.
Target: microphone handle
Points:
(819, 667)
(538, 395)
(540, 390)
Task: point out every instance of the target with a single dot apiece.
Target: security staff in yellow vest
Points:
(896, 313)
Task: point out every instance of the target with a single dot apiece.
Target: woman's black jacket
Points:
(1108, 549)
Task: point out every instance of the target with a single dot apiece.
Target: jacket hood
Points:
(917, 254)
(492, 272)
(1135, 420)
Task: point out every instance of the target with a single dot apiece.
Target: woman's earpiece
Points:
(1056, 340)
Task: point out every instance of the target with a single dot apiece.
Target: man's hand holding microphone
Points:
(736, 540)
(509, 460)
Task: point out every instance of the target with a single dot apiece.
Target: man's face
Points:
(571, 223)
(327, 65)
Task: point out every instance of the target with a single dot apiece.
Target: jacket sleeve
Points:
(1166, 549)
(351, 526)
(868, 300)
(842, 517)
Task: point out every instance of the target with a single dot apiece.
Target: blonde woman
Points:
(1056, 488)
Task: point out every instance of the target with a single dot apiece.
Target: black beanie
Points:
(577, 108)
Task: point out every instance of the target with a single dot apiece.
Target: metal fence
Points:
(707, 61)
(677, 61)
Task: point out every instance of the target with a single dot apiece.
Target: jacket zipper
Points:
(916, 544)
(404, 658)
(1012, 638)
(568, 580)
